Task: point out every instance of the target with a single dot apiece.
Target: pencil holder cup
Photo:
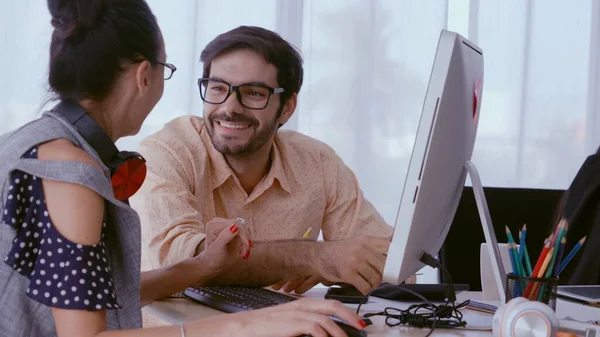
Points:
(541, 289)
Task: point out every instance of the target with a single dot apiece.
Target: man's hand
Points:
(357, 261)
(412, 279)
(226, 241)
(216, 226)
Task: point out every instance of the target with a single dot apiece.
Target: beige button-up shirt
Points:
(189, 183)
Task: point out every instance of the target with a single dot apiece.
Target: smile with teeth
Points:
(233, 126)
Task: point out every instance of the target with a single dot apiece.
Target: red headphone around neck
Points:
(127, 169)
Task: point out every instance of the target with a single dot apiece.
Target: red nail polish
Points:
(362, 324)
(250, 243)
(247, 255)
(233, 228)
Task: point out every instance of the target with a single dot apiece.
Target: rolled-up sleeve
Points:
(172, 229)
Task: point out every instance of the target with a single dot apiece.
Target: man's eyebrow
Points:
(259, 83)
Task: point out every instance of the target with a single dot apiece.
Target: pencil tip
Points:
(524, 226)
(583, 239)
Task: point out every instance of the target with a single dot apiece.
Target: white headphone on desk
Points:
(523, 318)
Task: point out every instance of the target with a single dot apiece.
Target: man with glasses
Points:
(284, 188)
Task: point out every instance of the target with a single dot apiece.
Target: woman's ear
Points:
(142, 77)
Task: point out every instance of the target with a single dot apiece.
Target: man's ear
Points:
(289, 107)
(142, 78)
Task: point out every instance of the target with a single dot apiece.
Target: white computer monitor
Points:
(444, 142)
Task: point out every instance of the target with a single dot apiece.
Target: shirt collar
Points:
(220, 170)
(277, 170)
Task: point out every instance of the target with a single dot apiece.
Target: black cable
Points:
(435, 263)
(426, 314)
(404, 316)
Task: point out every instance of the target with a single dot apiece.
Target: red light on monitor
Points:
(476, 94)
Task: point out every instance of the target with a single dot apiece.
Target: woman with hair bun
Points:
(69, 239)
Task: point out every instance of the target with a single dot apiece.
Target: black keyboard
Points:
(236, 299)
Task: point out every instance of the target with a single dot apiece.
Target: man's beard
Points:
(258, 139)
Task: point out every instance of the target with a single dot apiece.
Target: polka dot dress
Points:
(62, 274)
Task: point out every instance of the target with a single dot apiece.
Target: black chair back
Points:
(508, 206)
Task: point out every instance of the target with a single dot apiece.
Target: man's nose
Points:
(232, 105)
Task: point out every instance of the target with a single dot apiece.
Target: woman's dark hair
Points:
(559, 212)
(266, 43)
(92, 38)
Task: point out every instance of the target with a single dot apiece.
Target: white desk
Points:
(177, 310)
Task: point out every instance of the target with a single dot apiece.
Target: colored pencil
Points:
(527, 261)
(522, 236)
(561, 250)
(509, 234)
(557, 229)
(550, 271)
(555, 247)
(571, 254)
(534, 291)
(524, 251)
(538, 266)
(513, 261)
(519, 271)
(540, 260)
(561, 233)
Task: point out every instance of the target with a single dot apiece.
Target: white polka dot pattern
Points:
(62, 274)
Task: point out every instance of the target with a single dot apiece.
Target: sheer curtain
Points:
(367, 78)
(367, 65)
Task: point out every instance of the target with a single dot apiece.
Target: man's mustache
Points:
(234, 119)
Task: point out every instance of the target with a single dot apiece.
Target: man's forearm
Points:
(272, 262)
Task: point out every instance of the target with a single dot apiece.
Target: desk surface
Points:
(177, 310)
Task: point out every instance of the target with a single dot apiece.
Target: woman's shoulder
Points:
(60, 236)
(65, 150)
(82, 223)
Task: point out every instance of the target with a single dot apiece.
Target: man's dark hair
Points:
(266, 43)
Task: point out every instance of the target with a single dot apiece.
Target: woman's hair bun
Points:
(72, 19)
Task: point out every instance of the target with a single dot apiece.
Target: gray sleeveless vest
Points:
(22, 316)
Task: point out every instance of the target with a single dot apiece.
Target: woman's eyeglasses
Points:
(169, 69)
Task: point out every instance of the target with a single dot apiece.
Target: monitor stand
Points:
(488, 229)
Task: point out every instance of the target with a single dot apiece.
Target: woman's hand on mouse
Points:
(304, 316)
